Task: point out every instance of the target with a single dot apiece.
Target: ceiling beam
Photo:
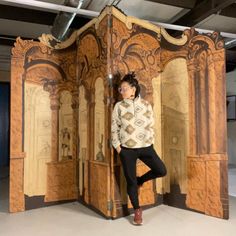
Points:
(36, 16)
(26, 15)
(9, 40)
(189, 4)
(229, 11)
(202, 11)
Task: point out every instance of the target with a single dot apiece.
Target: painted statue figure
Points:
(65, 144)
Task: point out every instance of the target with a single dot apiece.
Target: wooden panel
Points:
(61, 181)
(196, 184)
(36, 64)
(99, 187)
(146, 196)
(94, 153)
(213, 203)
(16, 131)
(208, 184)
(17, 201)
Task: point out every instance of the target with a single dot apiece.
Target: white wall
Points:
(231, 126)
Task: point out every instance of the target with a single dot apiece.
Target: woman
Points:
(133, 137)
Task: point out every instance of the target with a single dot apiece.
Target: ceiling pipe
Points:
(91, 14)
(63, 20)
(230, 43)
(51, 6)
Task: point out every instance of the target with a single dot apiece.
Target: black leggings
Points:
(128, 157)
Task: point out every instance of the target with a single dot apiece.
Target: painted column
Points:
(55, 106)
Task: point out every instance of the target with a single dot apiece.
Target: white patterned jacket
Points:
(132, 123)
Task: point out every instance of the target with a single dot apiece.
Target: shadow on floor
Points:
(4, 189)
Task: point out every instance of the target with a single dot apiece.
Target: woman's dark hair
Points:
(132, 81)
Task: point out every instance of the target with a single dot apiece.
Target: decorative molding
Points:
(129, 21)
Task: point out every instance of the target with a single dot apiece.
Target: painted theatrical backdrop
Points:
(62, 96)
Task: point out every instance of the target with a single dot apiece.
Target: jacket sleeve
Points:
(115, 127)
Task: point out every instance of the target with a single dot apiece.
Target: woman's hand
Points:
(118, 149)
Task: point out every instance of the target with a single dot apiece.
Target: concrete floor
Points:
(232, 181)
(76, 219)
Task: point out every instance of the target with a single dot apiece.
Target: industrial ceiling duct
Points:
(230, 43)
(63, 20)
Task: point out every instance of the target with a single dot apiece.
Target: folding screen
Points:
(44, 124)
(62, 101)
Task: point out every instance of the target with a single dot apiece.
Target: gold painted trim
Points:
(179, 42)
(127, 20)
(45, 38)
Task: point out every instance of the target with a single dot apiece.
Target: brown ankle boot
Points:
(138, 217)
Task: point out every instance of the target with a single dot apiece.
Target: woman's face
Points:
(127, 91)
